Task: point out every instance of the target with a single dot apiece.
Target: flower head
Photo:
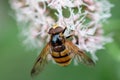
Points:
(84, 17)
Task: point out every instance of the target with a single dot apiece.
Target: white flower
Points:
(84, 17)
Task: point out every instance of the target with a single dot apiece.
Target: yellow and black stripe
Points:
(62, 58)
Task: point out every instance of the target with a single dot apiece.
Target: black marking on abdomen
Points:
(60, 56)
(63, 58)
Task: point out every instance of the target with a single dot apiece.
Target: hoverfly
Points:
(61, 49)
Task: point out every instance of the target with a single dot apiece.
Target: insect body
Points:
(60, 53)
(61, 50)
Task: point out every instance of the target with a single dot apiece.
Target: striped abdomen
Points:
(62, 58)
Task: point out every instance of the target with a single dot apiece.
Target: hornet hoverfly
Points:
(61, 49)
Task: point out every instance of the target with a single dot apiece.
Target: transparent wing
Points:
(41, 61)
(79, 54)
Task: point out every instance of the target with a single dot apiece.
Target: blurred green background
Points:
(16, 62)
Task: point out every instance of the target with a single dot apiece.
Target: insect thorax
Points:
(57, 43)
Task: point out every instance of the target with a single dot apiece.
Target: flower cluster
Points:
(84, 17)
